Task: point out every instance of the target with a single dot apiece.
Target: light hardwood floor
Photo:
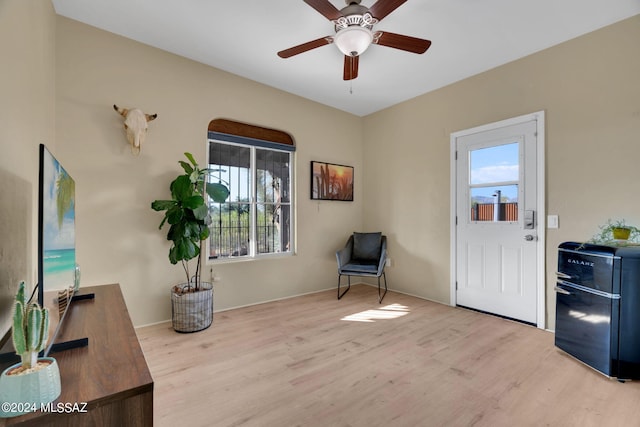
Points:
(317, 361)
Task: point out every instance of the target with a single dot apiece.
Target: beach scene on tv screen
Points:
(59, 258)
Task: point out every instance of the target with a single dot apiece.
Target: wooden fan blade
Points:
(398, 41)
(350, 67)
(325, 8)
(287, 53)
(384, 7)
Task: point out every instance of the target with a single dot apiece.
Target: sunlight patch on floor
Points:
(391, 311)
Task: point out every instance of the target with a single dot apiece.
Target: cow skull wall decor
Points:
(135, 124)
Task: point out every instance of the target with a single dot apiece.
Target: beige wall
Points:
(589, 88)
(117, 232)
(27, 100)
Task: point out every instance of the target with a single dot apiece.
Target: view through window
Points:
(256, 218)
(493, 183)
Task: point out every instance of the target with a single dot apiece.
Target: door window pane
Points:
(495, 164)
(494, 175)
(495, 203)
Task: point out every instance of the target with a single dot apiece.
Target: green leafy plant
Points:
(605, 234)
(30, 329)
(188, 216)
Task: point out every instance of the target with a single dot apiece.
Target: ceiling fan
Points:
(354, 32)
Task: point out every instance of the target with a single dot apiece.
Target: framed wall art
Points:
(331, 182)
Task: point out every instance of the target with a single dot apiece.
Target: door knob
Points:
(530, 237)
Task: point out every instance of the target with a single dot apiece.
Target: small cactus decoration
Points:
(30, 329)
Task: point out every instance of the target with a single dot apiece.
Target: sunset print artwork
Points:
(331, 182)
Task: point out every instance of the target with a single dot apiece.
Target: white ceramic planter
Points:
(24, 393)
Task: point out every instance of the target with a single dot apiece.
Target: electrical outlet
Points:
(214, 276)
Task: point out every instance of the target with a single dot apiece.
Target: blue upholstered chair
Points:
(365, 255)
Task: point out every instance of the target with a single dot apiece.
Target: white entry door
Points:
(498, 210)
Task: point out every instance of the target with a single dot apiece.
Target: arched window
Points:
(256, 164)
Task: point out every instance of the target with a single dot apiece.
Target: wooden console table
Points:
(110, 374)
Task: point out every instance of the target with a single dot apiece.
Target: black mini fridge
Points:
(598, 307)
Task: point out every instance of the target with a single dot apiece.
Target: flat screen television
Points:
(56, 237)
(56, 248)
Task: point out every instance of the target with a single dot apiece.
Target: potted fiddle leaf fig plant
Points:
(33, 381)
(188, 217)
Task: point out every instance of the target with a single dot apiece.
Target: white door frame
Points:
(540, 202)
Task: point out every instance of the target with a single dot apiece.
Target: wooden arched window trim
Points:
(245, 130)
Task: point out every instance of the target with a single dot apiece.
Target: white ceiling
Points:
(243, 37)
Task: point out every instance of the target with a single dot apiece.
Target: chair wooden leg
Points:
(340, 295)
(385, 288)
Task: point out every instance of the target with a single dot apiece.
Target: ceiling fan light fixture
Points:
(353, 40)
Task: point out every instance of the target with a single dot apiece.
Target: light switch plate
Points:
(552, 221)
